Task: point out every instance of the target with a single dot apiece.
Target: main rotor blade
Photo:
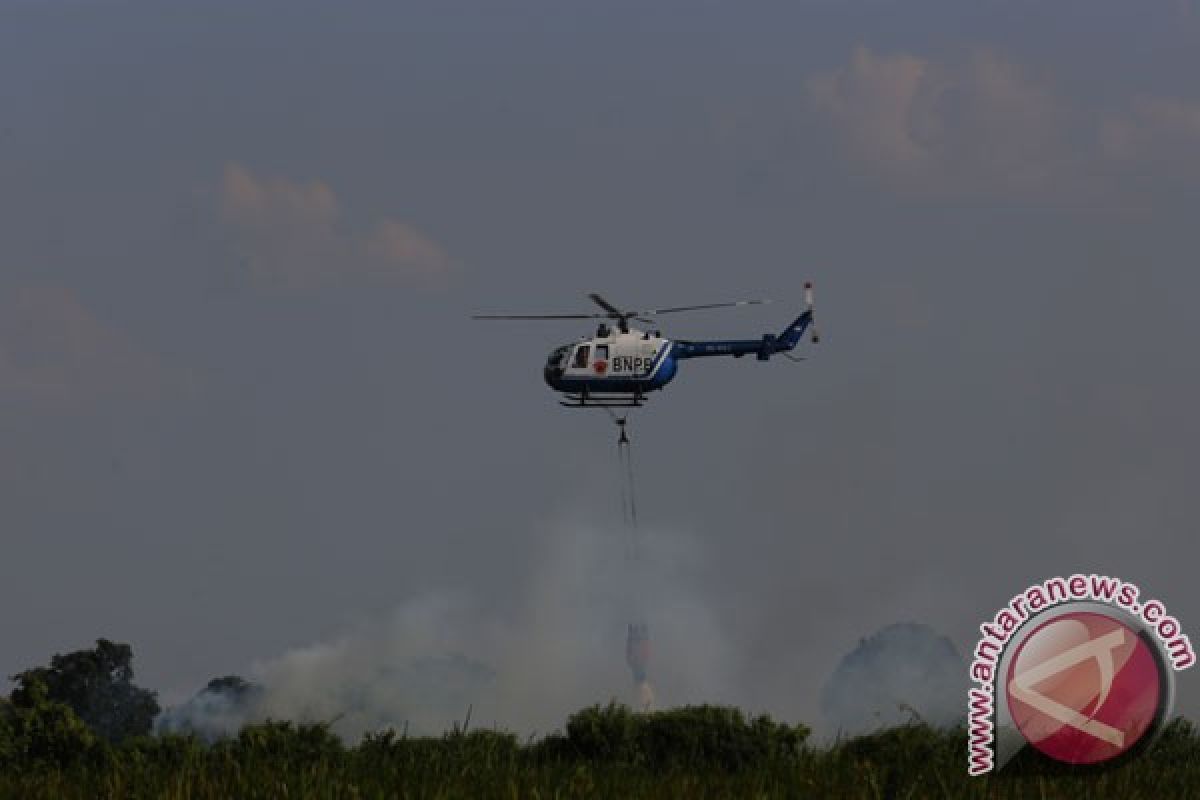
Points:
(618, 314)
(735, 303)
(607, 306)
(539, 316)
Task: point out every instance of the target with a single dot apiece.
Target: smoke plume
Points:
(434, 660)
(904, 673)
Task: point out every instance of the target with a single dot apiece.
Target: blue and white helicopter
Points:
(618, 368)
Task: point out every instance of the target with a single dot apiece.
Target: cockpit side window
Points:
(581, 356)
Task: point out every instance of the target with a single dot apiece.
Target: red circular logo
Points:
(601, 367)
(1084, 687)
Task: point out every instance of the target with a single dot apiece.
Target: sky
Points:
(247, 421)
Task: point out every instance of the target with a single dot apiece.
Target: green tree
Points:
(98, 686)
(236, 688)
(8, 734)
(42, 730)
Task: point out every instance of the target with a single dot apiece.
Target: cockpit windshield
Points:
(556, 358)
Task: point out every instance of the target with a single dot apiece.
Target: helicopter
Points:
(619, 367)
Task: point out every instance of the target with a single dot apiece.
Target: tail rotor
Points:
(808, 299)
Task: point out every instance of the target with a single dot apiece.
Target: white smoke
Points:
(903, 673)
(561, 648)
(209, 715)
(644, 699)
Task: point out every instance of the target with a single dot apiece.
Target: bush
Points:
(169, 751)
(912, 743)
(284, 743)
(456, 751)
(690, 737)
(605, 734)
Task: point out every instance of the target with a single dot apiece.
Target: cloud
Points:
(871, 102)
(983, 127)
(405, 247)
(1164, 130)
(54, 353)
(940, 127)
(292, 234)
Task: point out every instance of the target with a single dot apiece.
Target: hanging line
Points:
(628, 496)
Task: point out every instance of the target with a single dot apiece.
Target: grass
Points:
(699, 752)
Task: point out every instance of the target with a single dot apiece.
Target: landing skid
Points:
(588, 400)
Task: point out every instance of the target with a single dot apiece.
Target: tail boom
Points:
(762, 349)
